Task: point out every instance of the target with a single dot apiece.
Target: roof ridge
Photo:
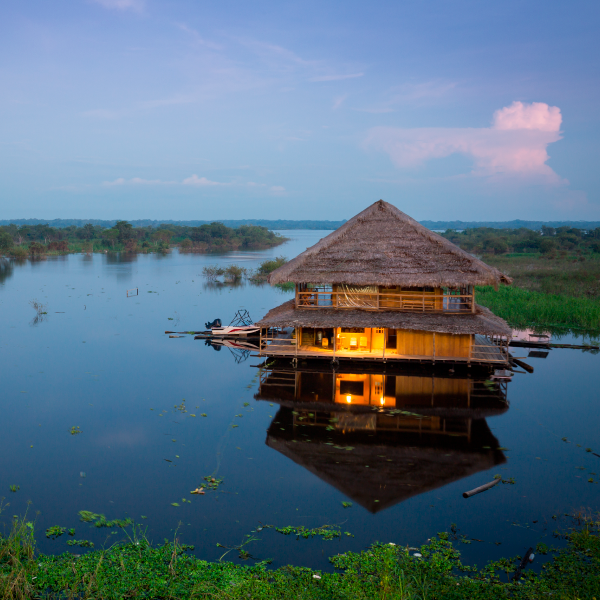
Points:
(487, 274)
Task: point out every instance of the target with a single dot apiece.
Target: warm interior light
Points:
(382, 401)
(348, 398)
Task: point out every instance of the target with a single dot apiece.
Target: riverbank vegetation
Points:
(133, 568)
(555, 272)
(41, 240)
(235, 274)
(548, 240)
(523, 309)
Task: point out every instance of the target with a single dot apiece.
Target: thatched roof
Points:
(483, 321)
(400, 465)
(383, 246)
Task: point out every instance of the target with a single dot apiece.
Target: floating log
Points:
(522, 364)
(481, 488)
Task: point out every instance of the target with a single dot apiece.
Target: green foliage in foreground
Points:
(384, 571)
(525, 308)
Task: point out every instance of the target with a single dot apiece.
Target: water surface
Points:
(100, 361)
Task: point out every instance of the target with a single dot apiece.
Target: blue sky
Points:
(186, 109)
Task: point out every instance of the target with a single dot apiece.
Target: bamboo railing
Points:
(399, 301)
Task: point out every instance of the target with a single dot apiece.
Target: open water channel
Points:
(100, 362)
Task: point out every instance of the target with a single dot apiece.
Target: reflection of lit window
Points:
(348, 398)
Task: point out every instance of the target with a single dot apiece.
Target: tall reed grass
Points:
(17, 551)
(525, 308)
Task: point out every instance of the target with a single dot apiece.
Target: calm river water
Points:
(101, 362)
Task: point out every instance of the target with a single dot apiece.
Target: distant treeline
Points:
(516, 224)
(548, 240)
(306, 224)
(235, 224)
(23, 240)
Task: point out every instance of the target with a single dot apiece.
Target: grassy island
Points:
(40, 240)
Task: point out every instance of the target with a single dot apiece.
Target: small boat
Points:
(241, 324)
(232, 330)
(502, 374)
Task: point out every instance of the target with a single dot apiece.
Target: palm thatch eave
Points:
(384, 246)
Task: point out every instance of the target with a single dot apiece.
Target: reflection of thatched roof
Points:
(483, 321)
(406, 469)
(383, 246)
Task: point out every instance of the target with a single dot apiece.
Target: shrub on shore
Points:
(18, 252)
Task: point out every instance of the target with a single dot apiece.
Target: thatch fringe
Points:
(383, 246)
(483, 321)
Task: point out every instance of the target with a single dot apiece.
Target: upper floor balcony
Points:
(342, 296)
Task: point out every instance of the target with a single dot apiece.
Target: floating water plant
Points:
(75, 430)
(15, 488)
(55, 532)
(81, 543)
(327, 532)
(100, 520)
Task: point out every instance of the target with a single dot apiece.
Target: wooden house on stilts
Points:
(383, 287)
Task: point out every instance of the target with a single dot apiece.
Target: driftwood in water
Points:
(522, 364)
(481, 488)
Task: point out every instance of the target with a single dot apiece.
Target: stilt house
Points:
(383, 287)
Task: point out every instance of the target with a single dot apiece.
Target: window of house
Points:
(351, 388)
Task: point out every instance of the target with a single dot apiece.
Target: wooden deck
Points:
(482, 351)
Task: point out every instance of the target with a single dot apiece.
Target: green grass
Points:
(569, 275)
(523, 308)
(135, 569)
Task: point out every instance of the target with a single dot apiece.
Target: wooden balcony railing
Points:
(401, 301)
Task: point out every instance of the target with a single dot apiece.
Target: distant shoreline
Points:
(283, 224)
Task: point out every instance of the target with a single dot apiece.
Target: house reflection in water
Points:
(381, 438)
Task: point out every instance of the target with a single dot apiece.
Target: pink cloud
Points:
(537, 115)
(515, 145)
